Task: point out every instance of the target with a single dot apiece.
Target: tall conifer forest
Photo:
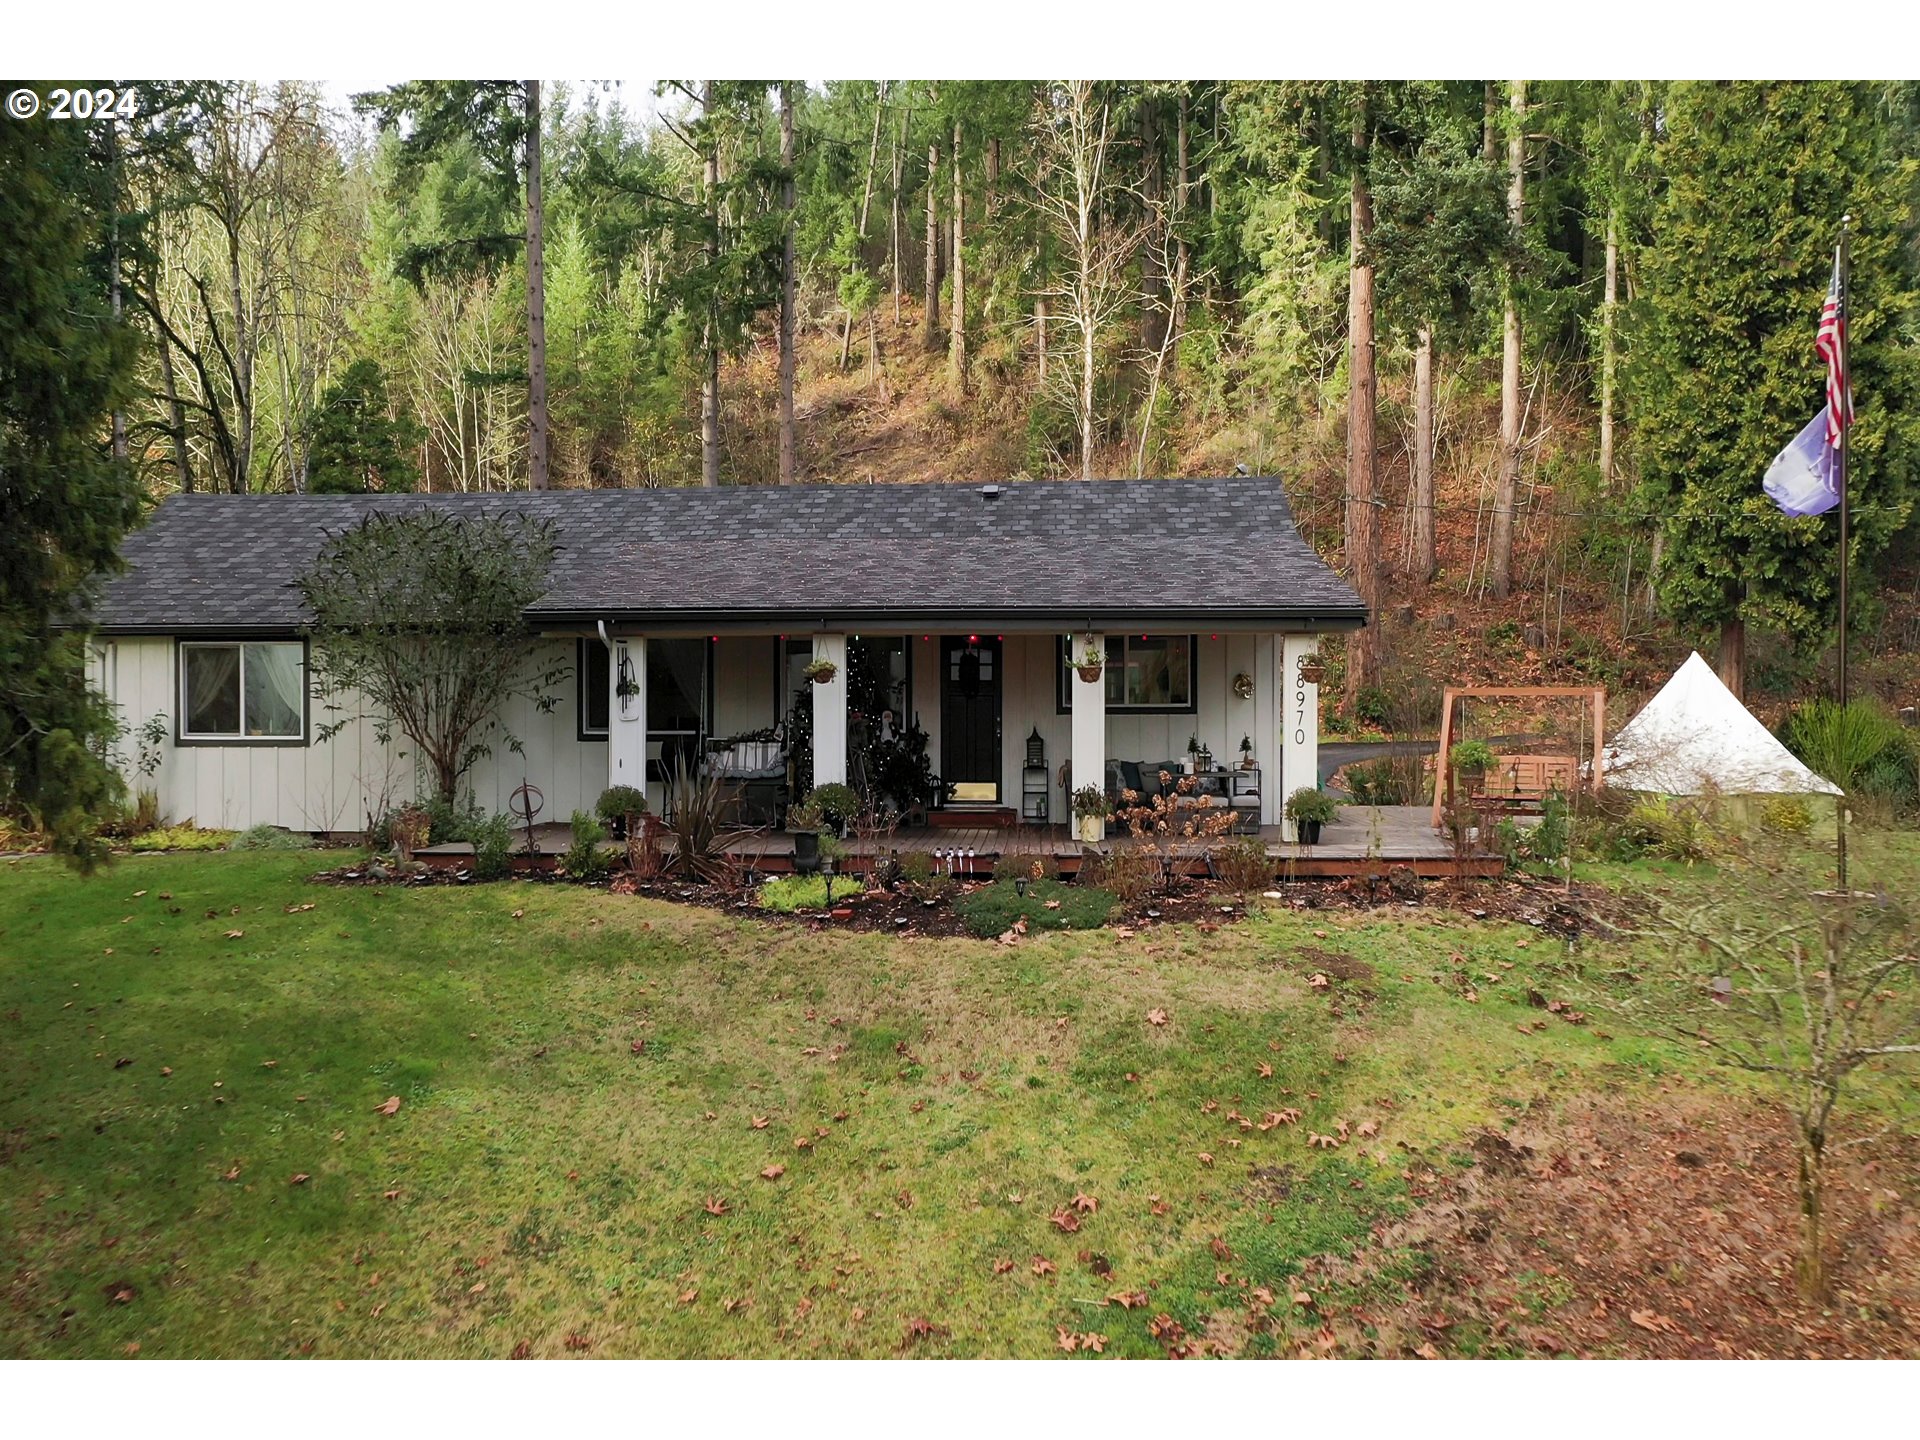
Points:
(1519, 351)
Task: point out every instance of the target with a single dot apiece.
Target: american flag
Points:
(1830, 343)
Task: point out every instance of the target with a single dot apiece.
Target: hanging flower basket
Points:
(1089, 663)
(821, 671)
(1311, 671)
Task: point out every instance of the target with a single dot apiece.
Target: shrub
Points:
(916, 867)
(1672, 830)
(586, 857)
(1844, 742)
(182, 837)
(1131, 875)
(1786, 815)
(493, 848)
(804, 815)
(270, 837)
(992, 909)
(620, 802)
(1548, 841)
(1243, 866)
(700, 805)
(788, 893)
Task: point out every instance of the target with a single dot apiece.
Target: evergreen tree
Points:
(357, 446)
(65, 364)
(1724, 373)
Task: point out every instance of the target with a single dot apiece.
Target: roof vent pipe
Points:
(989, 492)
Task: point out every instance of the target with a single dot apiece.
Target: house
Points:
(1200, 594)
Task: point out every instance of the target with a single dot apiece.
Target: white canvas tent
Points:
(1694, 735)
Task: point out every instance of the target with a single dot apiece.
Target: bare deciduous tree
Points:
(1805, 985)
(1078, 198)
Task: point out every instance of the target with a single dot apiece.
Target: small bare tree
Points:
(1078, 199)
(1802, 984)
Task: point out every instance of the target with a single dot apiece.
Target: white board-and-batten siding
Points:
(334, 784)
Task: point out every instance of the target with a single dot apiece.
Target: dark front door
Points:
(970, 718)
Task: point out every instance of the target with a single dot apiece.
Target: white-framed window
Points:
(1144, 672)
(678, 682)
(243, 692)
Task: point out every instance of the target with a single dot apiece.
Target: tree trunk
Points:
(930, 321)
(1489, 121)
(1423, 560)
(957, 349)
(1040, 334)
(1181, 259)
(786, 283)
(1608, 320)
(1810, 1268)
(1733, 657)
(537, 429)
(894, 235)
(710, 336)
(176, 413)
(1500, 559)
(1153, 314)
(1362, 517)
(860, 230)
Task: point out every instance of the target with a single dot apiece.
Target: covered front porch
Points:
(1004, 719)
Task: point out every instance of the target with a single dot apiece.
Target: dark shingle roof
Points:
(1124, 550)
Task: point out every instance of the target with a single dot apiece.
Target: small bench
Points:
(1526, 779)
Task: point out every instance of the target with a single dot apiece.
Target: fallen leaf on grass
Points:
(299, 909)
(516, 915)
(758, 1122)
(1317, 981)
(1069, 1341)
(1654, 1321)
(715, 1205)
(166, 1070)
(735, 1305)
(1427, 1352)
(235, 934)
(1085, 1203)
(638, 1047)
(687, 1297)
(1053, 904)
(1065, 1220)
(578, 1342)
(389, 1106)
(1001, 1267)
(522, 1351)
(123, 1062)
(1266, 1071)
(1129, 1299)
(299, 1178)
(393, 1195)
(904, 1200)
(1156, 1017)
(234, 1173)
(1040, 1265)
(773, 1172)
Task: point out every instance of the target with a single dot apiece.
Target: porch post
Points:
(830, 714)
(1088, 699)
(1299, 724)
(627, 714)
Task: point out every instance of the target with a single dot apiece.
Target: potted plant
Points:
(1090, 810)
(803, 823)
(1311, 669)
(838, 804)
(1471, 760)
(1090, 662)
(820, 670)
(1309, 809)
(1246, 752)
(1193, 753)
(619, 807)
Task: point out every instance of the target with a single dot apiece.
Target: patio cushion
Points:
(1130, 777)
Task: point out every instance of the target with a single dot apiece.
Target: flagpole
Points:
(1841, 259)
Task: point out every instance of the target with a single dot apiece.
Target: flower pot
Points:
(806, 852)
(1090, 673)
(1309, 831)
(1311, 671)
(1092, 829)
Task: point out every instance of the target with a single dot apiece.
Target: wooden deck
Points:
(1365, 837)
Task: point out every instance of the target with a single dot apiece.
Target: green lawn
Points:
(543, 1179)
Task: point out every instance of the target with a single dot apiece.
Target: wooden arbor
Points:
(1596, 695)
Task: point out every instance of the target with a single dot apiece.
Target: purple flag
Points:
(1804, 478)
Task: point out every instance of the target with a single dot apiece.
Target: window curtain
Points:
(274, 682)
(676, 686)
(213, 690)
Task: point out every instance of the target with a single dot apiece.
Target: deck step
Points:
(973, 817)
